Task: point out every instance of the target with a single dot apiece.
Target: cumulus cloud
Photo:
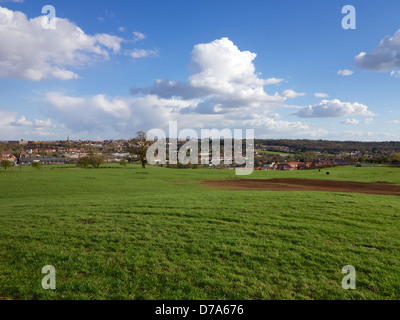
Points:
(345, 72)
(12, 126)
(393, 121)
(214, 96)
(125, 116)
(22, 122)
(223, 91)
(221, 66)
(334, 108)
(290, 94)
(385, 57)
(35, 53)
(222, 78)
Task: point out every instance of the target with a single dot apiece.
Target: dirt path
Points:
(382, 188)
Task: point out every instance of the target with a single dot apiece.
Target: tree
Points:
(140, 146)
(96, 160)
(6, 164)
(395, 159)
(123, 162)
(83, 162)
(37, 165)
(3, 147)
(308, 156)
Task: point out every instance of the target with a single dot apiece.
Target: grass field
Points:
(117, 233)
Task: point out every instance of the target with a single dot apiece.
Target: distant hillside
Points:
(329, 146)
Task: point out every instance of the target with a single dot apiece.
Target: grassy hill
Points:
(117, 233)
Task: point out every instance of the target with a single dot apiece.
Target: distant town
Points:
(269, 154)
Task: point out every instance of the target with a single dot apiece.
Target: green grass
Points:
(118, 233)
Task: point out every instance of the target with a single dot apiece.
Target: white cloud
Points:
(223, 91)
(111, 42)
(6, 118)
(368, 121)
(269, 125)
(321, 95)
(23, 122)
(272, 81)
(221, 67)
(334, 108)
(385, 57)
(395, 74)
(223, 79)
(34, 53)
(274, 115)
(290, 94)
(123, 115)
(14, 127)
(355, 121)
(393, 121)
(345, 72)
(350, 121)
(138, 36)
(142, 53)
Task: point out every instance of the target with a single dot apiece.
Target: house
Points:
(294, 165)
(18, 143)
(43, 160)
(269, 166)
(322, 163)
(284, 166)
(8, 156)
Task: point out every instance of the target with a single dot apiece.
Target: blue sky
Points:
(111, 68)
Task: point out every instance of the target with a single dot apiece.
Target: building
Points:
(43, 160)
(294, 165)
(8, 156)
(20, 143)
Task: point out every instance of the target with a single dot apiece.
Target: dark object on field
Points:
(328, 173)
(319, 170)
(382, 188)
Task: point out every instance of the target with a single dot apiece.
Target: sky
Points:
(288, 69)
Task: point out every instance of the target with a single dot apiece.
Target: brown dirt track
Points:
(380, 188)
